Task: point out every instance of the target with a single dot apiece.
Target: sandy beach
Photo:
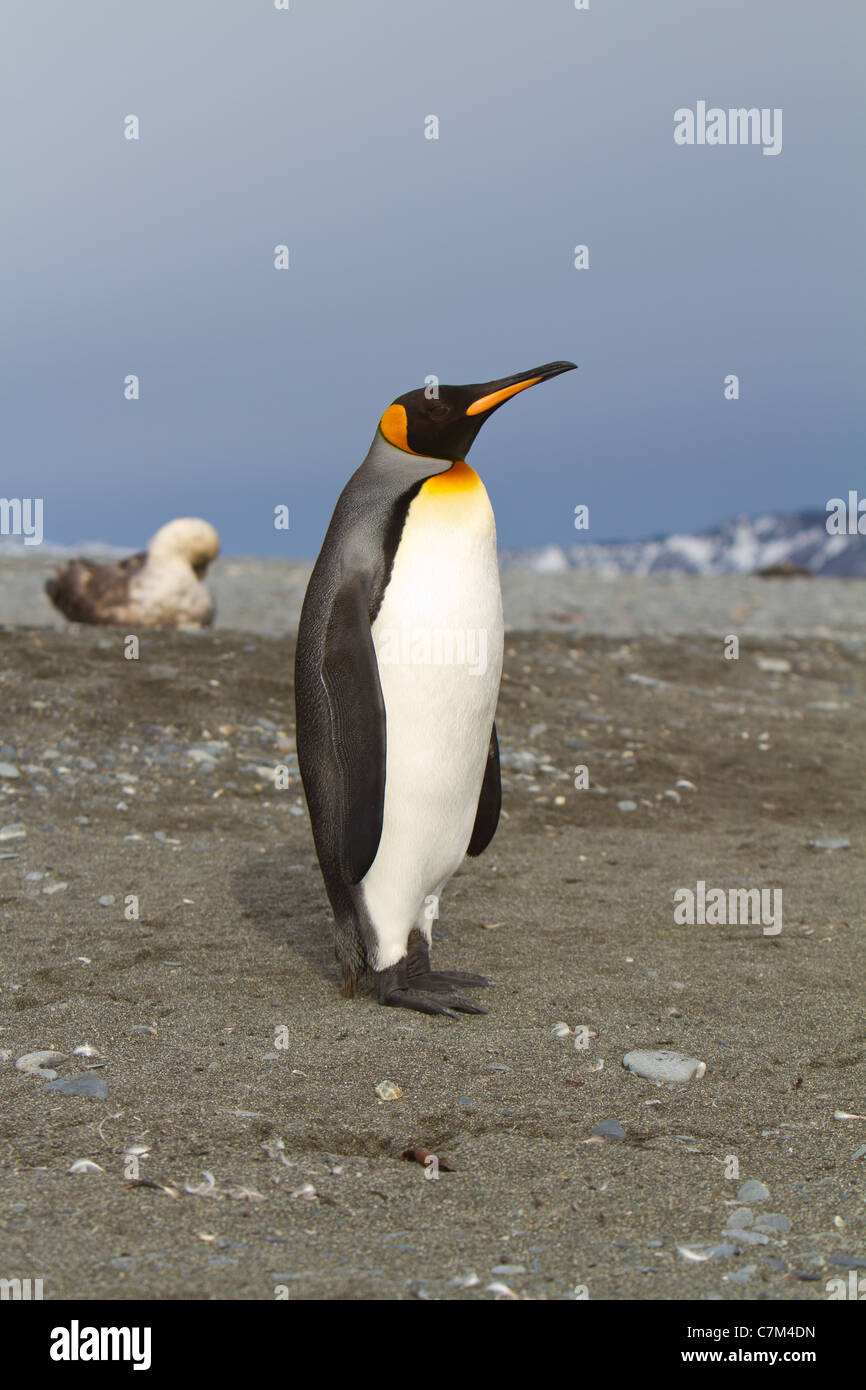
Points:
(224, 1046)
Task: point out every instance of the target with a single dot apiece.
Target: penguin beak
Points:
(492, 394)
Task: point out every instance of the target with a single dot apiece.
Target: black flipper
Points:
(350, 675)
(489, 802)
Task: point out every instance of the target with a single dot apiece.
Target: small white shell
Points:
(308, 1192)
(501, 1291)
(684, 782)
(84, 1165)
(388, 1090)
(561, 1030)
(85, 1050)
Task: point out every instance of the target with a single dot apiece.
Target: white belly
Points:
(438, 640)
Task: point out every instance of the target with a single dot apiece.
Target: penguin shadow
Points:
(287, 905)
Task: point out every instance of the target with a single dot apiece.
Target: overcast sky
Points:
(411, 256)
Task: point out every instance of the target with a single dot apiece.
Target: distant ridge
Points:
(742, 545)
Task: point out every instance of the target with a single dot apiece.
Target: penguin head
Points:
(444, 426)
(187, 538)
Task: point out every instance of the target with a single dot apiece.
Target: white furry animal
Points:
(160, 587)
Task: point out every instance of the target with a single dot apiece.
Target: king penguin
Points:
(397, 671)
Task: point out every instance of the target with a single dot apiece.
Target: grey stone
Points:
(610, 1129)
(773, 1221)
(664, 1066)
(84, 1085)
(753, 1191)
(740, 1219)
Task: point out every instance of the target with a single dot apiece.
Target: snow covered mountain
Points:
(743, 545)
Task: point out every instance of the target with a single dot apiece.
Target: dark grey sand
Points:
(152, 778)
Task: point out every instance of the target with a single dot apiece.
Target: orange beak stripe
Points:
(497, 397)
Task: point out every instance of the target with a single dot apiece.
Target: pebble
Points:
(860, 1153)
(85, 1085)
(610, 1129)
(626, 805)
(645, 680)
(508, 1269)
(40, 1064)
(16, 831)
(830, 844)
(107, 900)
(9, 770)
(773, 663)
(752, 1238)
(518, 760)
(740, 1219)
(773, 1221)
(741, 1276)
(664, 1066)
(847, 1262)
(753, 1192)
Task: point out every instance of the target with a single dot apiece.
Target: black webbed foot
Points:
(411, 984)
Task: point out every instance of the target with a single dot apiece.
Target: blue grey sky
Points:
(411, 256)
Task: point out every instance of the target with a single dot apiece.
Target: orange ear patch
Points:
(394, 425)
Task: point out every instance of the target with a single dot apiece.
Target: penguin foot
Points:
(411, 984)
(423, 977)
(427, 993)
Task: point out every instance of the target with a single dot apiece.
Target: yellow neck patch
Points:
(457, 479)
